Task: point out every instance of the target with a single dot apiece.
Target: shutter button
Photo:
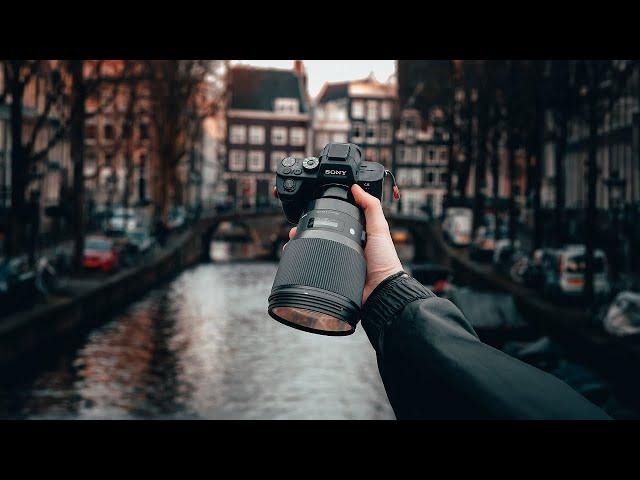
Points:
(288, 162)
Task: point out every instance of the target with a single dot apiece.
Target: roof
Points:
(255, 88)
(366, 87)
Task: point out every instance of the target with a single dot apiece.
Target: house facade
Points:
(361, 112)
(267, 119)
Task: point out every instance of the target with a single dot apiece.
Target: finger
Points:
(292, 232)
(372, 208)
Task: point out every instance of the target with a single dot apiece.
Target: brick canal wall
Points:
(24, 334)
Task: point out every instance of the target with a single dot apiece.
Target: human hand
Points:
(379, 252)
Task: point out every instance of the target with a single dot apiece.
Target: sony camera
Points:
(299, 180)
(320, 279)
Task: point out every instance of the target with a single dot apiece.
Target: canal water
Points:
(204, 347)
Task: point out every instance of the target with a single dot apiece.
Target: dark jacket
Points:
(433, 364)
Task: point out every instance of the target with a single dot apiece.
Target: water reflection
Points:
(204, 347)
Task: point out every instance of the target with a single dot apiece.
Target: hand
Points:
(379, 252)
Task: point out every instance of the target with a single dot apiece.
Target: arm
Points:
(434, 366)
(430, 359)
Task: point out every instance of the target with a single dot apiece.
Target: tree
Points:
(180, 100)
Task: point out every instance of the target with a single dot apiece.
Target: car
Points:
(121, 221)
(140, 241)
(100, 253)
(563, 271)
(457, 226)
(17, 283)
(483, 245)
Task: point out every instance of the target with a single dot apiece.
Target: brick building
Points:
(267, 119)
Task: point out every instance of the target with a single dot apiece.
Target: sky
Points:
(320, 71)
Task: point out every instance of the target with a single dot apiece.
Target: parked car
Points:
(17, 283)
(623, 316)
(563, 271)
(140, 241)
(457, 225)
(100, 253)
(121, 221)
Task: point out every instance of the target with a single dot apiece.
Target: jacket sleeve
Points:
(433, 365)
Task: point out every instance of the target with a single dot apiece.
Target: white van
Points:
(457, 226)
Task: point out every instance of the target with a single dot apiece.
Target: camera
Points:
(319, 283)
(299, 180)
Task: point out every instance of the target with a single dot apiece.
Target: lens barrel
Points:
(319, 283)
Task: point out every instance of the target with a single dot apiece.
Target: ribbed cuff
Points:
(389, 299)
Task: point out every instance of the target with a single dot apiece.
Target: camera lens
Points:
(319, 283)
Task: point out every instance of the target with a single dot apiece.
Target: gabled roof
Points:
(254, 88)
(333, 91)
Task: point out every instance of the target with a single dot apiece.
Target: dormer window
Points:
(286, 105)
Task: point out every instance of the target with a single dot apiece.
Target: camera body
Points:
(300, 180)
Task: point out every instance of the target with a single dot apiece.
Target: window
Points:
(109, 132)
(256, 135)
(279, 135)
(385, 110)
(431, 155)
(339, 137)
(430, 178)
(372, 134)
(371, 155)
(256, 161)
(385, 157)
(409, 177)
(357, 132)
(276, 158)
(286, 105)
(322, 138)
(443, 155)
(357, 109)
(144, 131)
(91, 132)
(444, 176)
(372, 110)
(238, 134)
(297, 136)
(385, 133)
(236, 160)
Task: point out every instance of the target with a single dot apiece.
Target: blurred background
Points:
(139, 235)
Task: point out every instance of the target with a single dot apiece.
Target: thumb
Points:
(374, 216)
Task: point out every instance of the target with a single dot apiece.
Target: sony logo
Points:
(335, 172)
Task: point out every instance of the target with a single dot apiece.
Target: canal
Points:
(203, 347)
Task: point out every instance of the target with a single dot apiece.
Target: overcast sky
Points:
(320, 71)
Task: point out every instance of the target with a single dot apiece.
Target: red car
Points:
(100, 253)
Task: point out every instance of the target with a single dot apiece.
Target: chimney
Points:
(298, 67)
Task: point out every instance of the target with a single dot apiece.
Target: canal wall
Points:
(24, 334)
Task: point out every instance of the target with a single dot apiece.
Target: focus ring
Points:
(323, 264)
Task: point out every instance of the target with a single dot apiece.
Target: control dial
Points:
(310, 163)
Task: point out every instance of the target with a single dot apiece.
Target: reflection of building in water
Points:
(116, 367)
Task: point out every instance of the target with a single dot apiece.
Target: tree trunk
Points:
(77, 155)
(16, 241)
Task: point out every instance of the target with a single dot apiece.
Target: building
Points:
(267, 118)
(422, 137)
(117, 164)
(361, 112)
(420, 167)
